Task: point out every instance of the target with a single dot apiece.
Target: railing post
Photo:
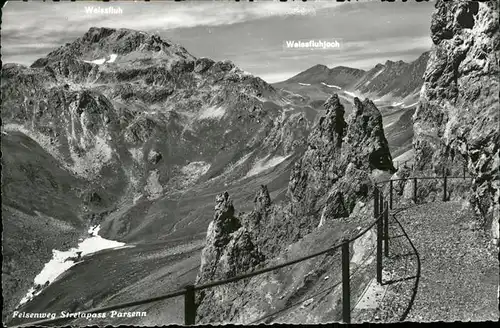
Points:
(445, 185)
(390, 193)
(381, 203)
(346, 292)
(379, 250)
(386, 229)
(415, 190)
(189, 306)
(375, 202)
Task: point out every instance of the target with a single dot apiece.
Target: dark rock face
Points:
(320, 162)
(262, 200)
(366, 145)
(336, 148)
(225, 236)
(456, 124)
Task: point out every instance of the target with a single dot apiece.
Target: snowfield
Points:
(331, 86)
(112, 58)
(63, 260)
(352, 94)
(101, 61)
(411, 105)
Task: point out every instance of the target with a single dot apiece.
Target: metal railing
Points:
(381, 215)
(381, 208)
(444, 177)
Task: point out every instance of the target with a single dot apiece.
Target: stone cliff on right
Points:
(456, 124)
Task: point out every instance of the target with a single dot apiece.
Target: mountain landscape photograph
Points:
(250, 162)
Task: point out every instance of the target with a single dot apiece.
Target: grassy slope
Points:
(39, 213)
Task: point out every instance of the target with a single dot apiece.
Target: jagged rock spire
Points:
(262, 200)
(366, 145)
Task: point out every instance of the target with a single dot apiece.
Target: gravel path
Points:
(459, 268)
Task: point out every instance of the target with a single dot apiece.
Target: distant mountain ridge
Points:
(131, 132)
(396, 81)
(341, 76)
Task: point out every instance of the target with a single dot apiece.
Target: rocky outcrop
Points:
(332, 178)
(456, 124)
(338, 151)
(229, 250)
(365, 142)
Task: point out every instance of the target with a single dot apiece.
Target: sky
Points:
(252, 35)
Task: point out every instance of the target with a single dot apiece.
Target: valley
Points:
(133, 168)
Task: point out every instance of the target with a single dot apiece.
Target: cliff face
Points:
(113, 127)
(331, 181)
(457, 121)
(337, 151)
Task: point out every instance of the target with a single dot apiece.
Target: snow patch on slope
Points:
(101, 61)
(378, 73)
(265, 164)
(331, 86)
(352, 94)
(306, 84)
(411, 105)
(112, 58)
(242, 160)
(63, 260)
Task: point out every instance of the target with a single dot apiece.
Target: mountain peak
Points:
(320, 67)
(99, 42)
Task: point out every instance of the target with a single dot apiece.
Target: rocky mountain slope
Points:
(456, 123)
(392, 83)
(331, 181)
(340, 76)
(395, 80)
(124, 129)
